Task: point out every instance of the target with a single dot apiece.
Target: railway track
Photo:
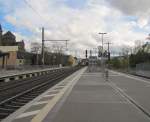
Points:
(37, 86)
(14, 87)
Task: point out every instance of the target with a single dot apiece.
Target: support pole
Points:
(42, 45)
(102, 61)
(108, 44)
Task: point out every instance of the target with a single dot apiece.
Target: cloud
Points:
(80, 25)
(133, 7)
(137, 8)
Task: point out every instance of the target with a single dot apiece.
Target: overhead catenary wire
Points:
(33, 9)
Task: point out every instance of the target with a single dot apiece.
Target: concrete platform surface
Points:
(93, 99)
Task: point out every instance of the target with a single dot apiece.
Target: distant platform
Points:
(5, 73)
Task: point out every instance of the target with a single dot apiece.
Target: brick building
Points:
(9, 46)
(9, 39)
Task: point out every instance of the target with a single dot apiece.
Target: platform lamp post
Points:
(102, 37)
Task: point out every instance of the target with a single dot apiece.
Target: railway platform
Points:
(87, 97)
(16, 75)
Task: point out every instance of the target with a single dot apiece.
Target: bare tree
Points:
(138, 46)
(57, 48)
(36, 49)
(126, 50)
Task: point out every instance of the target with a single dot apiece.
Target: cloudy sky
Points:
(80, 21)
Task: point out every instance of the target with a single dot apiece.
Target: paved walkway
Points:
(93, 99)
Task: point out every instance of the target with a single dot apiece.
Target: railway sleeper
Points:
(31, 96)
(4, 110)
(37, 92)
(3, 115)
(17, 103)
(10, 106)
(22, 101)
(25, 98)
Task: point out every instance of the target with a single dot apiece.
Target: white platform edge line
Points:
(49, 95)
(40, 102)
(28, 114)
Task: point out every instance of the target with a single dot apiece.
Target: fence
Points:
(143, 69)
